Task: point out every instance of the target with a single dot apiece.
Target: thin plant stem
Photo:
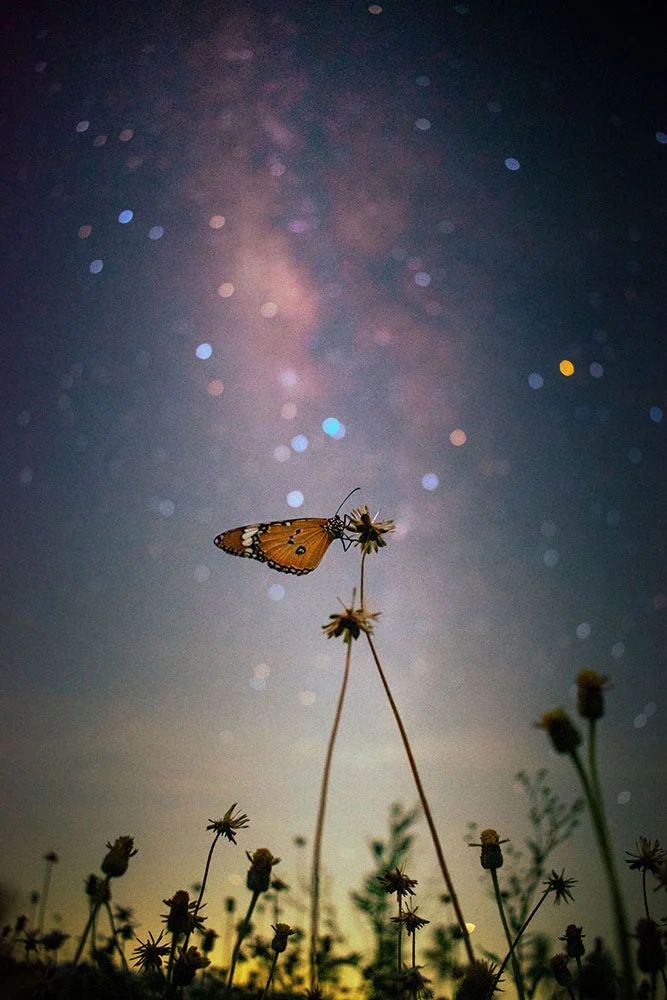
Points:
(114, 935)
(319, 827)
(95, 905)
(172, 953)
(243, 930)
(361, 581)
(519, 935)
(201, 891)
(425, 806)
(516, 970)
(414, 946)
(593, 769)
(400, 934)
(44, 896)
(618, 906)
(268, 981)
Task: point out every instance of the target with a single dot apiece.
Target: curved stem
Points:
(95, 905)
(518, 937)
(114, 935)
(319, 828)
(618, 906)
(268, 981)
(361, 582)
(243, 930)
(201, 891)
(516, 971)
(425, 807)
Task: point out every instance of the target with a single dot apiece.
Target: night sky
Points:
(254, 256)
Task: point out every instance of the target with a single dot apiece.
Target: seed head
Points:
(149, 954)
(560, 886)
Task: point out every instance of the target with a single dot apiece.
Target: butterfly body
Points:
(295, 546)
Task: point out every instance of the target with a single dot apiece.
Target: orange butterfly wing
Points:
(295, 546)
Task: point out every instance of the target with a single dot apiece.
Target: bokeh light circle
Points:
(295, 498)
(204, 351)
(299, 442)
(430, 481)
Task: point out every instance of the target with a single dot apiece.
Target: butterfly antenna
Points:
(356, 488)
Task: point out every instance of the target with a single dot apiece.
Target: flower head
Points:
(649, 857)
(52, 858)
(590, 702)
(351, 623)
(479, 982)
(149, 954)
(116, 862)
(186, 966)
(410, 920)
(181, 919)
(208, 943)
(262, 861)
(54, 940)
(413, 983)
(491, 857)
(229, 824)
(564, 735)
(282, 933)
(369, 532)
(398, 882)
(560, 886)
(574, 945)
(562, 974)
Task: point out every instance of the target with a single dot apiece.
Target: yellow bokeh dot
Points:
(225, 290)
(458, 437)
(566, 367)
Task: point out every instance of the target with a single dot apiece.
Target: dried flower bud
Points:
(283, 932)
(116, 862)
(564, 735)
(262, 861)
(491, 857)
(562, 974)
(574, 945)
(589, 694)
(186, 966)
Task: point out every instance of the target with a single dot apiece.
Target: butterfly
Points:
(295, 546)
